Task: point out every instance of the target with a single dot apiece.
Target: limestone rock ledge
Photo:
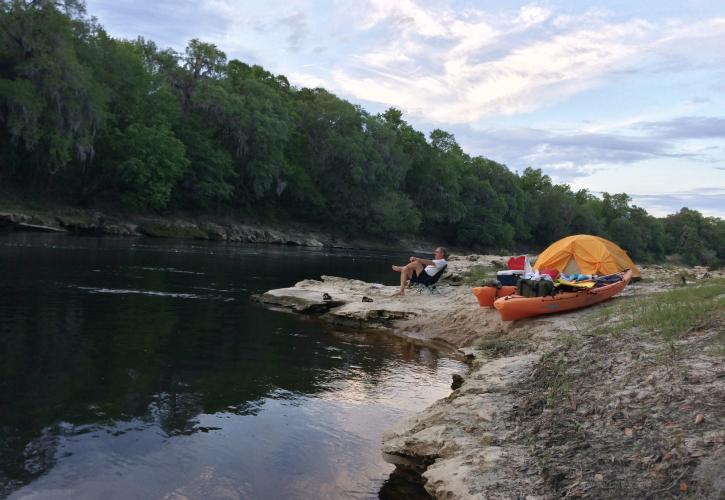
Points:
(458, 445)
(420, 316)
(346, 306)
(92, 222)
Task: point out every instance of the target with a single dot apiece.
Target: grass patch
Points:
(559, 380)
(478, 275)
(496, 347)
(569, 340)
(670, 314)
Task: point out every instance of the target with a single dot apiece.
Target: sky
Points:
(610, 96)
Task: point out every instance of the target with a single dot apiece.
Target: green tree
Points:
(50, 104)
(688, 233)
(328, 146)
(143, 110)
(149, 174)
(436, 185)
(493, 203)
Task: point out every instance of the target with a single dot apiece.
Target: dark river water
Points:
(136, 368)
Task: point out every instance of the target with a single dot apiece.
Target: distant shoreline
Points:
(92, 222)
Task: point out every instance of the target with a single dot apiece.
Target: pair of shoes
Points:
(326, 297)
(367, 299)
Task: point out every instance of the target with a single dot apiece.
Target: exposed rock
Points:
(23, 226)
(93, 222)
(22, 222)
(121, 229)
(385, 310)
(214, 231)
(346, 305)
(171, 229)
(299, 300)
(80, 221)
(312, 242)
(90, 223)
(12, 219)
(454, 441)
(96, 223)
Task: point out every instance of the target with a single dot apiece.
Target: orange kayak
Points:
(487, 294)
(518, 307)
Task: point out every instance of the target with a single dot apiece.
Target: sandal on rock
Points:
(326, 297)
(367, 299)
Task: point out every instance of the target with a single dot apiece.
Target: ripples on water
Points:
(142, 370)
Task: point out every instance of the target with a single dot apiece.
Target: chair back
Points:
(430, 286)
(437, 276)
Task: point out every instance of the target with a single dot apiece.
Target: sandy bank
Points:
(547, 410)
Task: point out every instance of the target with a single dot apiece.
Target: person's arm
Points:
(425, 262)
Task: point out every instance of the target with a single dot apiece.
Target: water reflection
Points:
(117, 381)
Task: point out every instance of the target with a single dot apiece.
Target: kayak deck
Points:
(517, 307)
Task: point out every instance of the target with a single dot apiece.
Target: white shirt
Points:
(432, 270)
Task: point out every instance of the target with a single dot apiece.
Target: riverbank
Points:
(91, 222)
(600, 402)
(16, 215)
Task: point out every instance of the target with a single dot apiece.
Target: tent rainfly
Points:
(585, 254)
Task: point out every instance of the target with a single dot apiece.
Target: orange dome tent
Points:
(585, 254)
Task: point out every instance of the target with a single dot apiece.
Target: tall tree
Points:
(50, 104)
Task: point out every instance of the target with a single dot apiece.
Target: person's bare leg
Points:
(404, 277)
(406, 273)
(397, 269)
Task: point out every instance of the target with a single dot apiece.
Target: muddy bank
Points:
(549, 408)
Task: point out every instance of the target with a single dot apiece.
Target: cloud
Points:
(298, 26)
(687, 127)
(132, 18)
(567, 155)
(530, 15)
(306, 80)
(448, 66)
(708, 201)
(439, 64)
(581, 151)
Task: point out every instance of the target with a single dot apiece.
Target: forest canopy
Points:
(125, 123)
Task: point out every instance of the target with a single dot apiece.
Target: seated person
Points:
(421, 270)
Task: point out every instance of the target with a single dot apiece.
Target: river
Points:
(137, 368)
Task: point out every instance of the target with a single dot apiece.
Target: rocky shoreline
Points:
(485, 439)
(91, 222)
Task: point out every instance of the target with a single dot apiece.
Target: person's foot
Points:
(399, 293)
(397, 269)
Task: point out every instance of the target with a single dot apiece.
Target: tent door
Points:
(571, 267)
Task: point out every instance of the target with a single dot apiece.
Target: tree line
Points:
(97, 119)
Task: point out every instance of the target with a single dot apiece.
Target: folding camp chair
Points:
(431, 286)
